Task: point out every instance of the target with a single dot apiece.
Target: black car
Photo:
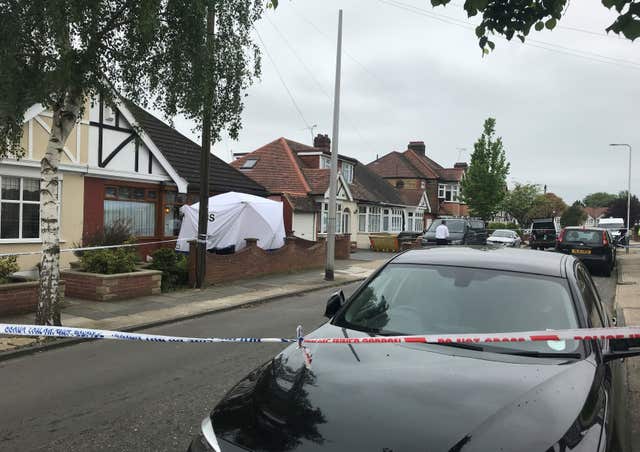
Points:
(524, 396)
(461, 232)
(593, 246)
(544, 232)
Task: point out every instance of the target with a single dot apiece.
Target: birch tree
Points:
(62, 53)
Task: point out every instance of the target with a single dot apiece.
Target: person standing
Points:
(442, 233)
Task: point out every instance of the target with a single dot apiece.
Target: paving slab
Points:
(634, 413)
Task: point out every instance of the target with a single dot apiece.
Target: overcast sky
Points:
(410, 76)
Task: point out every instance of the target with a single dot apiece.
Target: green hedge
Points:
(8, 265)
(110, 261)
(173, 267)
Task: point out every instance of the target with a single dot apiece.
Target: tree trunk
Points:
(65, 117)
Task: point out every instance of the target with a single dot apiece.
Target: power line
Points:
(293, 100)
(531, 42)
(313, 76)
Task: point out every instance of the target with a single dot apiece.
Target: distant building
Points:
(594, 214)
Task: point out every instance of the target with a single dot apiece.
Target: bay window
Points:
(134, 206)
(374, 218)
(19, 208)
(347, 172)
(341, 226)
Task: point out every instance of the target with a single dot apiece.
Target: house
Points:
(593, 215)
(299, 175)
(412, 169)
(119, 163)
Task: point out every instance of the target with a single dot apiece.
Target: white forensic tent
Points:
(234, 217)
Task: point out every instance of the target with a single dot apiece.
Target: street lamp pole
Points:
(628, 195)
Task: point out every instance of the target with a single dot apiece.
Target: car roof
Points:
(584, 228)
(515, 260)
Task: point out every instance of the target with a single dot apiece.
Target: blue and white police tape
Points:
(627, 332)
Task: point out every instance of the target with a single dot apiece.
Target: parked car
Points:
(544, 232)
(460, 232)
(505, 237)
(615, 226)
(479, 228)
(593, 246)
(525, 396)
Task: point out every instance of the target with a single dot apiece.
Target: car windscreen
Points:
(507, 234)
(587, 237)
(453, 225)
(544, 225)
(410, 299)
(476, 224)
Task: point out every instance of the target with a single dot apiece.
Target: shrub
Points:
(117, 233)
(109, 261)
(173, 266)
(8, 265)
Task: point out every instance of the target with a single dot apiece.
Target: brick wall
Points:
(252, 261)
(20, 298)
(93, 286)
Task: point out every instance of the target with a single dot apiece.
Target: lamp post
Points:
(628, 195)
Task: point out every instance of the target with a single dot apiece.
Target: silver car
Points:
(504, 237)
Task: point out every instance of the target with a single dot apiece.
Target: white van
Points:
(612, 224)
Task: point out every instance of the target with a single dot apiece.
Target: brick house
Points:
(413, 170)
(594, 214)
(298, 174)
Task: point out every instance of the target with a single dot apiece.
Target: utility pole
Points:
(628, 146)
(333, 178)
(207, 103)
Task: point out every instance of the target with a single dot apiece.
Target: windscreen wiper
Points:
(536, 354)
(465, 345)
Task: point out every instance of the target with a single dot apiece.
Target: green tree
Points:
(61, 53)
(574, 215)
(484, 185)
(517, 18)
(519, 201)
(618, 208)
(599, 199)
(548, 205)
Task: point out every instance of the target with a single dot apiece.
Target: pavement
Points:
(628, 307)
(143, 312)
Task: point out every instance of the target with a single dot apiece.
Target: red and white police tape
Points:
(627, 332)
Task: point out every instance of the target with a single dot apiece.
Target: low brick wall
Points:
(252, 261)
(20, 298)
(121, 286)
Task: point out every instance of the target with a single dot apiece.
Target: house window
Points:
(132, 206)
(249, 163)
(396, 220)
(418, 225)
(325, 162)
(374, 219)
(409, 221)
(449, 192)
(325, 216)
(362, 220)
(385, 220)
(19, 208)
(423, 184)
(173, 201)
(347, 172)
(399, 184)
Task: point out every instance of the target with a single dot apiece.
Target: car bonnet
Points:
(394, 397)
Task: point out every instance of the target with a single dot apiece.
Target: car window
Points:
(544, 225)
(476, 224)
(508, 234)
(590, 297)
(588, 237)
(425, 299)
(454, 226)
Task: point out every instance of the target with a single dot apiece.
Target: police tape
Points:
(91, 248)
(628, 332)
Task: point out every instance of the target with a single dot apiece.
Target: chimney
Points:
(417, 146)
(322, 142)
(463, 165)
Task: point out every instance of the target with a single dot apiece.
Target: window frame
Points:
(21, 202)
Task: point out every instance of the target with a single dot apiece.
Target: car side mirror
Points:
(622, 348)
(335, 302)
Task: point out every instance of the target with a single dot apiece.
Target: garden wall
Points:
(296, 255)
(98, 287)
(20, 298)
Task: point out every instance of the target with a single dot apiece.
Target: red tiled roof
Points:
(301, 203)
(427, 167)
(317, 178)
(277, 168)
(411, 197)
(394, 164)
(452, 174)
(595, 212)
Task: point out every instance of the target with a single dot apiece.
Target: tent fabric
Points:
(236, 216)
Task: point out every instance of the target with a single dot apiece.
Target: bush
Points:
(173, 267)
(117, 233)
(494, 226)
(109, 261)
(8, 265)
